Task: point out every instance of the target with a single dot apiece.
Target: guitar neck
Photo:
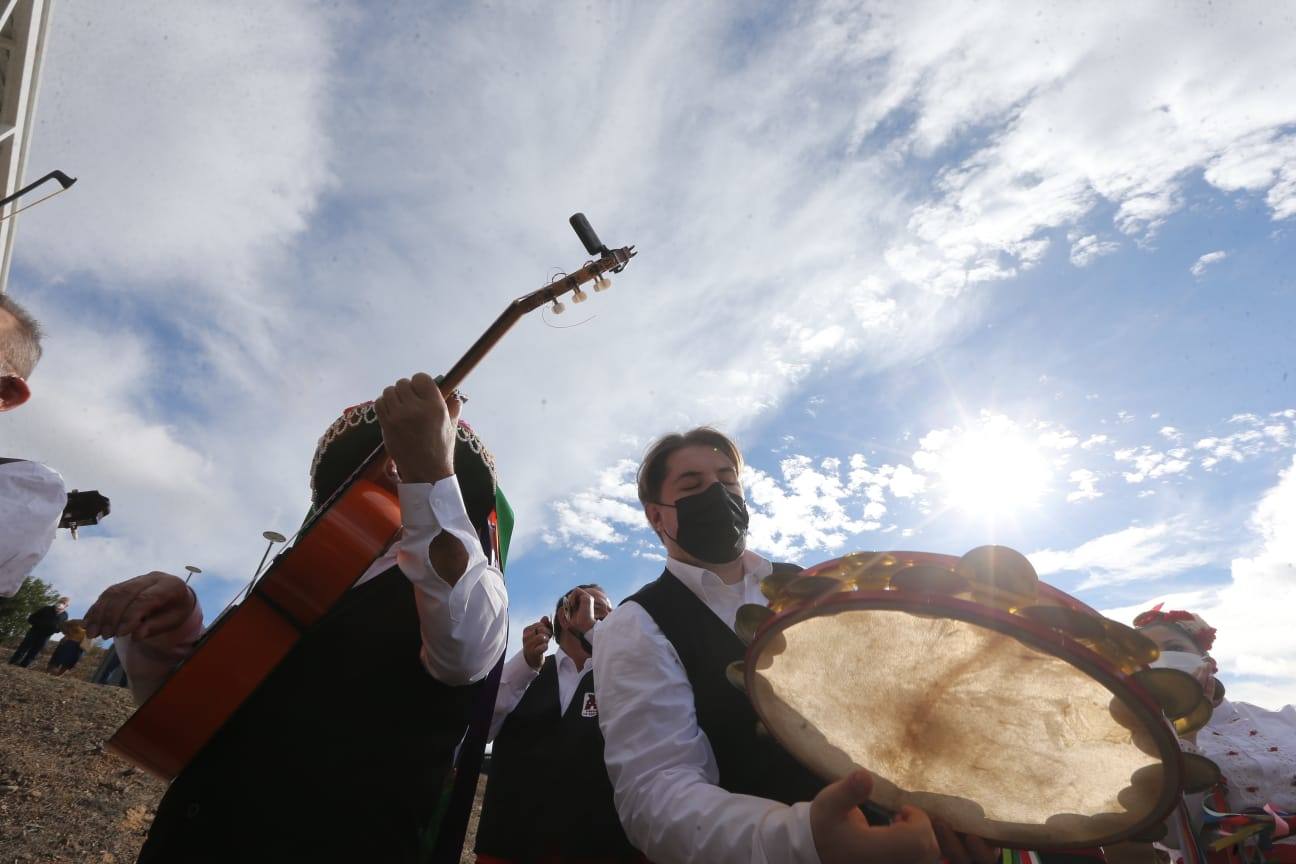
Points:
(514, 312)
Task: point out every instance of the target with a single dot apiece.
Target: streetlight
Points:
(273, 537)
(193, 571)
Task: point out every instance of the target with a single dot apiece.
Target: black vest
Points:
(340, 755)
(750, 763)
(548, 791)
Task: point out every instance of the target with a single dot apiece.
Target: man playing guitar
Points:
(342, 752)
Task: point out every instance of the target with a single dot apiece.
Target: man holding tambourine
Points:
(693, 778)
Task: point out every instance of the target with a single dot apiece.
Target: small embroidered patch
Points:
(589, 708)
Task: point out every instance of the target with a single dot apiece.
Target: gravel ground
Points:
(62, 798)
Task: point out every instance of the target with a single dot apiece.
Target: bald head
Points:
(20, 348)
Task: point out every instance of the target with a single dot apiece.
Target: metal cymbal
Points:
(772, 585)
(1200, 773)
(808, 587)
(1070, 621)
(1176, 692)
(1141, 649)
(1002, 575)
(930, 578)
(749, 619)
(736, 674)
(1195, 719)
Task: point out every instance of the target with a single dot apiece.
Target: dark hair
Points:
(557, 628)
(652, 471)
(20, 346)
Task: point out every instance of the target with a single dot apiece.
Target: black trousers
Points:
(31, 646)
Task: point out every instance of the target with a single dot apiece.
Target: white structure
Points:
(23, 25)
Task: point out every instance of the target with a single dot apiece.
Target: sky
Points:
(951, 274)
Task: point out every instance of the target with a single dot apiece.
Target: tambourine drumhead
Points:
(1001, 727)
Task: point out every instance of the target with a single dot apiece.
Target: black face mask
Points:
(712, 524)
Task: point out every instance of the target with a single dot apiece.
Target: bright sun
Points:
(993, 471)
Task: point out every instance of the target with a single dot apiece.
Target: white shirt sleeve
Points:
(32, 499)
(515, 678)
(662, 768)
(465, 626)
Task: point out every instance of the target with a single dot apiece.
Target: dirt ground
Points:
(62, 798)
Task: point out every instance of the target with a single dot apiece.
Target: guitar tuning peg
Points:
(579, 296)
(602, 283)
(558, 308)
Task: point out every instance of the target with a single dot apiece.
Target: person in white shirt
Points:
(545, 725)
(692, 777)
(32, 495)
(342, 753)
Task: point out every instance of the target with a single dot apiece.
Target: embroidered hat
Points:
(353, 436)
(1196, 628)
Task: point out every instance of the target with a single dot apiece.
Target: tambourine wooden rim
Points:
(1030, 632)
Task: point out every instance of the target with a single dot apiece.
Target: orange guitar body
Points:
(239, 652)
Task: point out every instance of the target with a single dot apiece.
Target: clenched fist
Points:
(141, 607)
(418, 426)
(535, 641)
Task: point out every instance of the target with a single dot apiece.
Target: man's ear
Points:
(653, 512)
(13, 392)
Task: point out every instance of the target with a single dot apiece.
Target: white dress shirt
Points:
(661, 764)
(32, 499)
(517, 677)
(464, 627)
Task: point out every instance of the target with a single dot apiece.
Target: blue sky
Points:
(889, 247)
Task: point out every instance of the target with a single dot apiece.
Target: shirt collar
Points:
(564, 659)
(755, 568)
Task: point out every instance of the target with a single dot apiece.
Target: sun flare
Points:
(993, 470)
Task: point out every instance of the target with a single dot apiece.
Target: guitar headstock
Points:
(609, 261)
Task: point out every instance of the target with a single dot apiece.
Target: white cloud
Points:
(1150, 464)
(1084, 250)
(201, 141)
(1131, 554)
(1052, 86)
(1256, 644)
(1199, 266)
(1086, 485)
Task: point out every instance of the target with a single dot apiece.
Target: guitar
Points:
(332, 550)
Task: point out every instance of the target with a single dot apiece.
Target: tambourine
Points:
(970, 689)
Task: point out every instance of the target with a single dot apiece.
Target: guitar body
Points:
(241, 650)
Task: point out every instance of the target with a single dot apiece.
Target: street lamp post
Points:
(272, 537)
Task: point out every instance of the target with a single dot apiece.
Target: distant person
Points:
(45, 622)
(546, 726)
(67, 653)
(32, 496)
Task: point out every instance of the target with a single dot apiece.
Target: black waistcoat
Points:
(339, 755)
(548, 791)
(749, 763)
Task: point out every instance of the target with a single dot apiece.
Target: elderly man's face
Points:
(13, 387)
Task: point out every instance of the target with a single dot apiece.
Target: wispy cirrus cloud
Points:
(1160, 551)
(1199, 266)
